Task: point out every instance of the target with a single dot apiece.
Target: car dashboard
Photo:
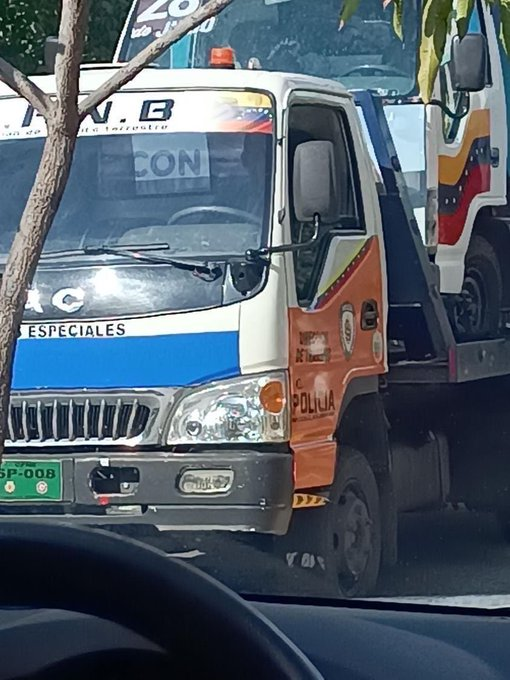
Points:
(347, 641)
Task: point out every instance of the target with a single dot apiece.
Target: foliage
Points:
(24, 25)
(397, 16)
(107, 17)
(436, 17)
(504, 11)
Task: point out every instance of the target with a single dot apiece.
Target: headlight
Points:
(244, 410)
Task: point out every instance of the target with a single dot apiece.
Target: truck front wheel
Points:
(339, 542)
(354, 526)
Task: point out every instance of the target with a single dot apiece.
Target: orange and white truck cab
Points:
(212, 289)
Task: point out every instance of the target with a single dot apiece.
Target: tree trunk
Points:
(26, 249)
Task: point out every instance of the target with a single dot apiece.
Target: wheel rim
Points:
(470, 305)
(352, 540)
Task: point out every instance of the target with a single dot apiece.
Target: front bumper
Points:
(259, 499)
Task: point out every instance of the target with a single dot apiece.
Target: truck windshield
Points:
(200, 193)
(188, 173)
(297, 36)
(201, 186)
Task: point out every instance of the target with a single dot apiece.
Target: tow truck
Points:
(235, 325)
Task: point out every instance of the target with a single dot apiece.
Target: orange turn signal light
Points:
(272, 397)
(222, 57)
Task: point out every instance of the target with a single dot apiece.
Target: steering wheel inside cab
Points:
(215, 212)
(203, 629)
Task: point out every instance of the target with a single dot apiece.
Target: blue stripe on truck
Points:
(141, 361)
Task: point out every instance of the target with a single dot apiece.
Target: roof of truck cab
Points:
(93, 75)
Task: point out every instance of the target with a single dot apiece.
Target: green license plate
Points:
(30, 480)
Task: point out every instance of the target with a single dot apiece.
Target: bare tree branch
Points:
(150, 54)
(23, 86)
(71, 39)
(61, 114)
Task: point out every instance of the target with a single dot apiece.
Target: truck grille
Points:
(72, 419)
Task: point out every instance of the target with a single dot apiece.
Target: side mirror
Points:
(50, 53)
(315, 183)
(469, 63)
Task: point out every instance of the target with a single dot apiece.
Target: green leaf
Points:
(25, 24)
(433, 39)
(348, 9)
(504, 34)
(464, 10)
(397, 18)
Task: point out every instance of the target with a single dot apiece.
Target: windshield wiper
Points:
(85, 250)
(143, 253)
(200, 268)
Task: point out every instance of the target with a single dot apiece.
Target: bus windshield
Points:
(296, 36)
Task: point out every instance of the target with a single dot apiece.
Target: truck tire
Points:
(354, 525)
(475, 312)
(336, 547)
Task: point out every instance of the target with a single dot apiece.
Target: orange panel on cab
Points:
(329, 347)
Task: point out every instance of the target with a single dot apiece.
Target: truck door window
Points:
(322, 123)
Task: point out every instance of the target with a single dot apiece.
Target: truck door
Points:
(337, 302)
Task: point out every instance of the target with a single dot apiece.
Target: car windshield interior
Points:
(255, 340)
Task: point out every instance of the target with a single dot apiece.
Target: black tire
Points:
(318, 537)
(475, 312)
(354, 504)
(314, 546)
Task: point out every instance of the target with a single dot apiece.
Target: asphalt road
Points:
(453, 553)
